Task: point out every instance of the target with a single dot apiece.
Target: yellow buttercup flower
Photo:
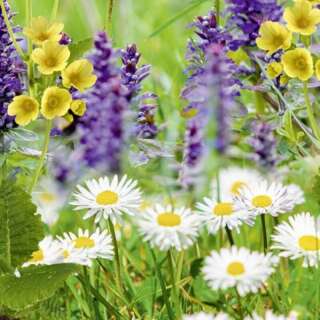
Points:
(273, 37)
(51, 57)
(55, 102)
(314, 1)
(25, 109)
(78, 107)
(79, 75)
(302, 17)
(298, 63)
(274, 69)
(42, 30)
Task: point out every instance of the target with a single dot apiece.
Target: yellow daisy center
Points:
(47, 197)
(84, 243)
(236, 268)
(168, 219)
(37, 256)
(262, 201)
(309, 243)
(223, 209)
(107, 198)
(66, 254)
(236, 186)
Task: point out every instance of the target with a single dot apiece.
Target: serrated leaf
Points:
(20, 229)
(78, 49)
(34, 285)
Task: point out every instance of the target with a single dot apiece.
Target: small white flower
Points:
(49, 200)
(95, 245)
(269, 315)
(239, 268)
(167, 227)
(299, 238)
(232, 180)
(17, 273)
(206, 316)
(49, 253)
(105, 198)
(218, 215)
(266, 198)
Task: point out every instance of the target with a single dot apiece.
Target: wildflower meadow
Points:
(160, 159)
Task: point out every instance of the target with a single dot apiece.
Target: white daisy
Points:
(239, 268)
(218, 215)
(206, 316)
(105, 198)
(269, 315)
(299, 238)
(266, 198)
(296, 192)
(49, 252)
(167, 227)
(96, 245)
(232, 180)
(49, 199)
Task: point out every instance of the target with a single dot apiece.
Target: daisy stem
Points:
(240, 305)
(230, 237)
(264, 233)
(42, 156)
(10, 31)
(116, 255)
(175, 289)
(312, 119)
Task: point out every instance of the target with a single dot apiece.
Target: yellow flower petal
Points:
(79, 74)
(55, 102)
(274, 69)
(78, 107)
(51, 57)
(41, 30)
(298, 63)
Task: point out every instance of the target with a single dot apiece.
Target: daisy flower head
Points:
(266, 198)
(239, 268)
(296, 192)
(206, 316)
(93, 246)
(49, 252)
(232, 180)
(299, 238)
(269, 315)
(166, 227)
(106, 198)
(218, 215)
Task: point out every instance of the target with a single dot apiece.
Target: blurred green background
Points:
(133, 22)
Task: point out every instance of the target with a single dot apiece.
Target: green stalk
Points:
(30, 63)
(55, 9)
(312, 119)
(175, 289)
(264, 232)
(108, 20)
(230, 237)
(217, 6)
(43, 155)
(117, 257)
(10, 31)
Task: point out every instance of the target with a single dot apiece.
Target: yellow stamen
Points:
(47, 197)
(37, 256)
(66, 254)
(223, 209)
(236, 186)
(107, 198)
(309, 243)
(236, 268)
(262, 201)
(168, 219)
(84, 243)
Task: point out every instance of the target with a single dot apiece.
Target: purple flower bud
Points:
(65, 39)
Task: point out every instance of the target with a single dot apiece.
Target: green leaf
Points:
(34, 285)
(20, 229)
(78, 49)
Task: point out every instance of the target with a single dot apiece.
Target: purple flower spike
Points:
(11, 67)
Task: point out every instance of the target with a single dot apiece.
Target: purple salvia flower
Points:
(11, 67)
(65, 40)
(264, 144)
(131, 74)
(248, 15)
(146, 127)
(102, 127)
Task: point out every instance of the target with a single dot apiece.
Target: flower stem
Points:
(264, 232)
(230, 237)
(312, 119)
(10, 31)
(175, 289)
(30, 63)
(117, 257)
(217, 6)
(55, 9)
(108, 20)
(42, 156)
